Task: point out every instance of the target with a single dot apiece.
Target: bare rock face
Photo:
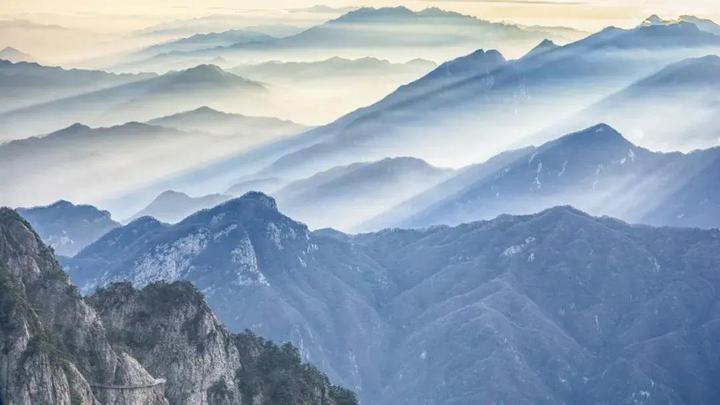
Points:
(53, 346)
(158, 346)
(173, 332)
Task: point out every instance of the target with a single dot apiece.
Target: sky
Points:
(106, 15)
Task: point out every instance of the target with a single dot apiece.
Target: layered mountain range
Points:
(456, 113)
(596, 170)
(136, 101)
(387, 32)
(136, 156)
(502, 261)
(553, 307)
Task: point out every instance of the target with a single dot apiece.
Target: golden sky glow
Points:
(105, 15)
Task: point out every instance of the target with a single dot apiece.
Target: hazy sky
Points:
(106, 15)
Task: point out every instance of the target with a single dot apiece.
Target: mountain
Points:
(344, 197)
(54, 347)
(335, 68)
(244, 254)
(138, 101)
(161, 58)
(672, 109)
(207, 120)
(100, 165)
(451, 73)
(463, 179)
(596, 170)
(172, 206)
(66, 227)
(209, 40)
(367, 27)
(62, 349)
(23, 83)
(552, 307)
(395, 33)
(13, 55)
(471, 120)
(542, 47)
(171, 330)
(702, 23)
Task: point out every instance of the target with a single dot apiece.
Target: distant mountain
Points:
(596, 170)
(544, 46)
(673, 109)
(334, 68)
(172, 206)
(344, 197)
(702, 23)
(388, 33)
(113, 347)
(464, 178)
(138, 101)
(546, 308)
(209, 40)
(369, 26)
(470, 120)
(208, 120)
(161, 57)
(13, 55)
(450, 73)
(138, 158)
(23, 84)
(68, 228)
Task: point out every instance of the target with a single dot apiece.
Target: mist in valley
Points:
(427, 205)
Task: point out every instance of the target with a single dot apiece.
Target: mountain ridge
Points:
(403, 312)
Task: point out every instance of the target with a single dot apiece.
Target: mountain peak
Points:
(72, 129)
(9, 216)
(654, 20)
(62, 203)
(259, 197)
(475, 63)
(372, 14)
(544, 46)
(208, 73)
(206, 110)
(171, 194)
(597, 136)
(14, 55)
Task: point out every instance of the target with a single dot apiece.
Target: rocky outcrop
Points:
(157, 346)
(53, 346)
(173, 332)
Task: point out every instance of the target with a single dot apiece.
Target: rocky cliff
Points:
(161, 345)
(53, 346)
(171, 330)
